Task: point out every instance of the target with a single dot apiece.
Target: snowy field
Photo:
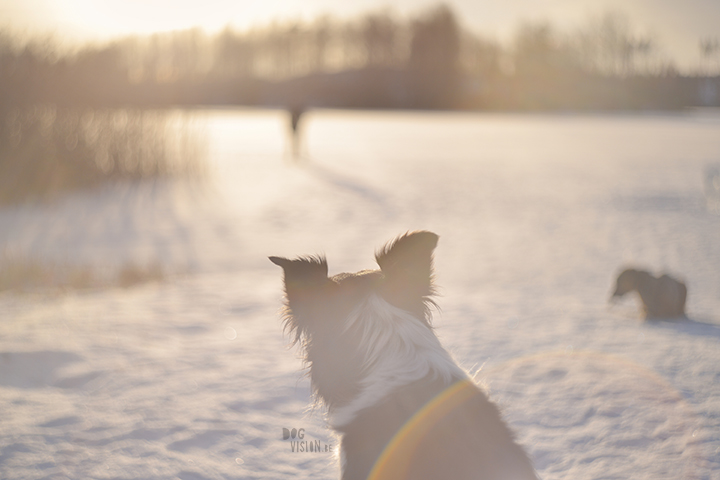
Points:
(192, 379)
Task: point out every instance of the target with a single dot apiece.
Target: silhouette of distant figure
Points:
(712, 188)
(662, 297)
(296, 112)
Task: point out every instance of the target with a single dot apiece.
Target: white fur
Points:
(397, 349)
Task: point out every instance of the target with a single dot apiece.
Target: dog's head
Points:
(628, 280)
(318, 308)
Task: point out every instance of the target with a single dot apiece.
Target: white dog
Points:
(403, 407)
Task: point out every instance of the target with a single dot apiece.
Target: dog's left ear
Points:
(304, 277)
(407, 266)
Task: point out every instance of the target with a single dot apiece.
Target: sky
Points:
(676, 25)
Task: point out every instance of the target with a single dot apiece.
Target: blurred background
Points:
(154, 153)
(521, 56)
(105, 93)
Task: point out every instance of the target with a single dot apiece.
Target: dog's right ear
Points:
(303, 276)
(406, 263)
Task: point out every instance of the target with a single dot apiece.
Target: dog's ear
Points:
(406, 264)
(303, 276)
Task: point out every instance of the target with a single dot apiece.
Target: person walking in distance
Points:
(296, 112)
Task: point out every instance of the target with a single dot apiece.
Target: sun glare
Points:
(106, 19)
(678, 30)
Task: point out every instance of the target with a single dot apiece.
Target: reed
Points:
(46, 151)
(25, 274)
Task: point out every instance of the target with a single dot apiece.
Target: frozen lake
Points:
(191, 378)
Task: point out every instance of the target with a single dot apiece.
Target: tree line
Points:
(375, 61)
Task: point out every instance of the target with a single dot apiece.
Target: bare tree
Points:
(610, 46)
(378, 34)
(479, 57)
(435, 42)
(710, 54)
(234, 54)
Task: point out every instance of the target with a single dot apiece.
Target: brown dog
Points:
(662, 297)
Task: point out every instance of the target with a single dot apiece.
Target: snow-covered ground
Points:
(192, 378)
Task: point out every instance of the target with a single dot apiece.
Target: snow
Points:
(191, 378)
